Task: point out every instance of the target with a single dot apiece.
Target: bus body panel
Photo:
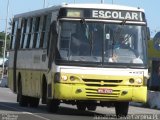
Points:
(87, 81)
(10, 70)
(135, 94)
(31, 67)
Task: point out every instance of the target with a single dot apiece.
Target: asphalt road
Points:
(10, 110)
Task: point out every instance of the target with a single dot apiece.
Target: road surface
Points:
(10, 110)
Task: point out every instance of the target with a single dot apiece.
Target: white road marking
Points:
(29, 113)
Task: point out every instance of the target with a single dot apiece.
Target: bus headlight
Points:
(64, 77)
(139, 81)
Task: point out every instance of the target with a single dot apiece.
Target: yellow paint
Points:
(78, 89)
(31, 81)
(69, 92)
(139, 93)
(79, 78)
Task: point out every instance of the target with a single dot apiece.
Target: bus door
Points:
(17, 42)
(52, 39)
(52, 44)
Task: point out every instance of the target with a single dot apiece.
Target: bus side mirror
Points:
(148, 33)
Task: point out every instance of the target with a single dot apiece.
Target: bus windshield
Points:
(102, 43)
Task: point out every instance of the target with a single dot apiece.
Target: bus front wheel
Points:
(121, 109)
(81, 106)
(91, 107)
(53, 105)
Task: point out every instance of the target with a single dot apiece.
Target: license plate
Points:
(105, 90)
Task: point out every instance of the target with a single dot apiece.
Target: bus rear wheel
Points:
(52, 105)
(121, 109)
(33, 102)
(23, 100)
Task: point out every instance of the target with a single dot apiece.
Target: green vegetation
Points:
(2, 38)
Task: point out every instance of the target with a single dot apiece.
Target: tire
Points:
(33, 102)
(23, 100)
(44, 91)
(81, 106)
(91, 107)
(52, 105)
(121, 109)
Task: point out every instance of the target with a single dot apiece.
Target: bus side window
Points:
(30, 27)
(39, 32)
(32, 32)
(26, 30)
(23, 32)
(36, 32)
(12, 35)
(47, 30)
(42, 31)
(34, 36)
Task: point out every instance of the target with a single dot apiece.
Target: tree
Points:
(2, 38)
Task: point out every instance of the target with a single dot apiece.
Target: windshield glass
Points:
(102, 43)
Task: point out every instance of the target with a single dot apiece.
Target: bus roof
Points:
(85, 6)
(103, 6)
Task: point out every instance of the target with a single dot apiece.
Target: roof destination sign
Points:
(118, 15)
(107, 14)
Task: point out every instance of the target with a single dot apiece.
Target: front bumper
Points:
(82, 92)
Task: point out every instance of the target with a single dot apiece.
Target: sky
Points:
(151, 7)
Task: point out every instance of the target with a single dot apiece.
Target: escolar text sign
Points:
(113, 14)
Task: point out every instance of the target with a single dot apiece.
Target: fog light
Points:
(78, 90)
(124, 92)
(131, 80)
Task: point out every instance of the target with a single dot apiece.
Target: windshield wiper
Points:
(83, 22)
(123, 22)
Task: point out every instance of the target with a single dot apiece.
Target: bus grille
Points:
(102, 83)
(92, 93)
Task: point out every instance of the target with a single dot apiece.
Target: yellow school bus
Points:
(86, 55)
